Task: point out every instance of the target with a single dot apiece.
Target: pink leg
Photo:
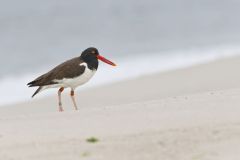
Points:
(73, 99)
(60, 108)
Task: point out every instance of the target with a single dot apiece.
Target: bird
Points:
(70, 74)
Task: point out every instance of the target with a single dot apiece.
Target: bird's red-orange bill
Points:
(106, 60)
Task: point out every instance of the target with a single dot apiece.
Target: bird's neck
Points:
(92, 62)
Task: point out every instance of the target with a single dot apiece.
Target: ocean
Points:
(142, 37)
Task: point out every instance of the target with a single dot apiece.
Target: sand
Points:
(187, 114)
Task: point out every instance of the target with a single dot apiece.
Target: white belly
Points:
(77, 81)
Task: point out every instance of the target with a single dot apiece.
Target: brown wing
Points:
(68, 69)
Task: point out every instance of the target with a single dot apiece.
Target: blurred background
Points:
(141, 36)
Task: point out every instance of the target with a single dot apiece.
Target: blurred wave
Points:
(35, 34)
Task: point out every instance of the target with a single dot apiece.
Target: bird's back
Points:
(68, 69)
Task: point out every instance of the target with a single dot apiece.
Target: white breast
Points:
(77, 81)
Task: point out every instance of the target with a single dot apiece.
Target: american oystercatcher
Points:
(70, 74)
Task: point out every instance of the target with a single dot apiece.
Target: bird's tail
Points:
(37, 91)
(33, 83)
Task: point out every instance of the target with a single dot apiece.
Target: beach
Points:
(184, 114)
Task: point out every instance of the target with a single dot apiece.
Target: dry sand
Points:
(188, 114)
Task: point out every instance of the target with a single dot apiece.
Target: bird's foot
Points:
(60, 109)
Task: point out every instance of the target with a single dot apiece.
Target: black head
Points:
(91, 51)
(91, 57)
